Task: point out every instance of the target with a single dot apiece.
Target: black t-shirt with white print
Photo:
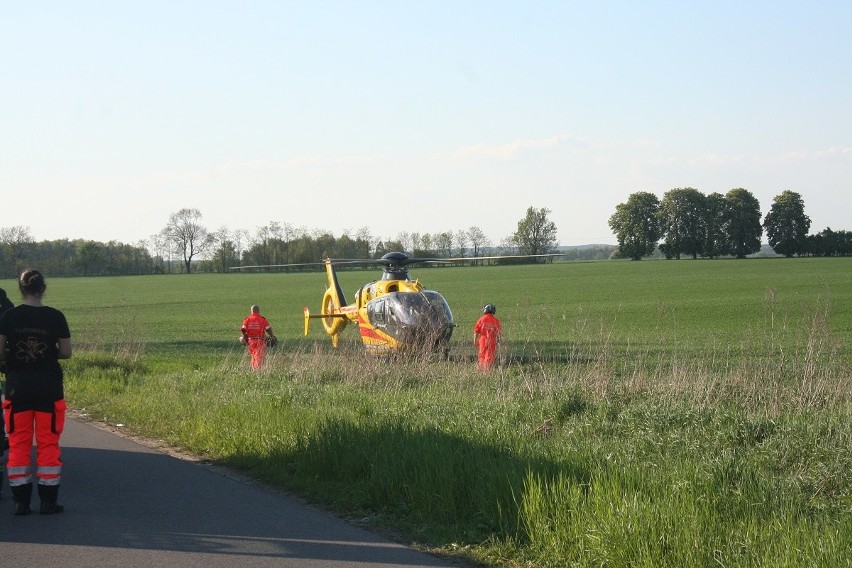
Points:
(33, 373)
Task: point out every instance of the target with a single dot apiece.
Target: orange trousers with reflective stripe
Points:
(46, 428)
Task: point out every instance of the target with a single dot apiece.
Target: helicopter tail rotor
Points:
(332, 319)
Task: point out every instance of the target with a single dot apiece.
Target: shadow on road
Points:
(122, 496)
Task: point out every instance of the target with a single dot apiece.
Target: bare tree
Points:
(428, 243)
(444, 243)
(188, 235)
(160, 249)
(477, 239)
(224, 255)
(365, 235)
(261, 246)
(462, 239)
(241, 238)
(404, 238)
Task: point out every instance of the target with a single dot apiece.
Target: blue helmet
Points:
(489, 309)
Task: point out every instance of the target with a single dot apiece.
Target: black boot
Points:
(48, 495)
(21, 495)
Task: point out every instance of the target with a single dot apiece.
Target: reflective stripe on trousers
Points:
(46, 427)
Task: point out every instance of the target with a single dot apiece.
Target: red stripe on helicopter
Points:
(371, 333)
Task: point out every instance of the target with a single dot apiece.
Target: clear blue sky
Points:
(418, 116)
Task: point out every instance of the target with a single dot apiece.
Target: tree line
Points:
(688, 223)
(684, 223)
(185, 245)
(65, 257)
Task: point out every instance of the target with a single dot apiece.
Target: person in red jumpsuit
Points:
(254, 331)
(486, 335)
(33, 338)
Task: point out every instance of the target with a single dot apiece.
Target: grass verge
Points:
(621, 457)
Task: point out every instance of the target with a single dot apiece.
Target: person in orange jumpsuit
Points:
(33, 338)
(486, 335)
(254, 332)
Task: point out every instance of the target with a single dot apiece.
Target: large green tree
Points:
(536, 234)
(787, 225)
(636, 225)
(89, 258)
(742, 227)
(714, 225)
(682, 224)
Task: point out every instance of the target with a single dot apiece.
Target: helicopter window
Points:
(376, 312)
(413, 309)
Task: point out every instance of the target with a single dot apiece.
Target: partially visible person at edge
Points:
(5, 304)
(486, 335)
(33, 338)
(254, 331)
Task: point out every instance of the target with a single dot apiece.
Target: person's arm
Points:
(2, 347)
(272, 340)
(64, 344)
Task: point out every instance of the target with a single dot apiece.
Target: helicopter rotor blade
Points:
(304, 264)
(290, 265)
(400, 260)
(439, 260)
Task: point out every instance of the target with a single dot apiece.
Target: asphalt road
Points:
(130, 504)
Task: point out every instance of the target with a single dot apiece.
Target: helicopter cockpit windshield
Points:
(413, 317)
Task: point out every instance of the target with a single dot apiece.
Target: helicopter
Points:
(394, 314)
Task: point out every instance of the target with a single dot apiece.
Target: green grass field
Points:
(692, 413)
(671, 307)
